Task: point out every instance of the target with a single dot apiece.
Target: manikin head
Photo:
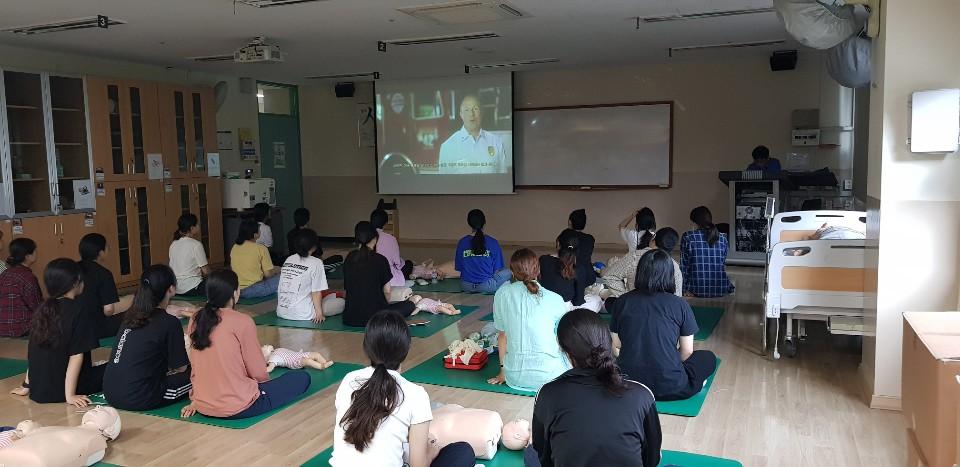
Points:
(516, 434)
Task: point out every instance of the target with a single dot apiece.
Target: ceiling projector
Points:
(258, 51)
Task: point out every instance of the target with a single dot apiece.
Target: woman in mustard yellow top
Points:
(251, 261)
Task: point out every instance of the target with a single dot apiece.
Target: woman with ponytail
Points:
(479, 258)
(593, 401)
(61, 339)
(252, 262)
(703, 258)
(148, 367)
(379, 411)
(188, 259)
(366, 280)
(649, 323)
(642, 231)
(19, 289)
(228, 370)
(564, 274)
(526, 315)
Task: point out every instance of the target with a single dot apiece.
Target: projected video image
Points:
(433, 132)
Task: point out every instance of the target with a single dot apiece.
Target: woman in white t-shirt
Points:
(383, 419)
(188, 259)
(644, 226)
(302, 282)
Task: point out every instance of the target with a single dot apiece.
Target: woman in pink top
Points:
(229, 373)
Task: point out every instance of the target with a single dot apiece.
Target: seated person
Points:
(366, 280)
(562, 273)
(479, 258)
(593, 401)
(648, 323)
(578, 221)
(388, 247)
(261, 213)
(188, 259)
(100, 299)
(382, 419)
(61, 339)
(20, 294)
(526, 315)
(150, 369)
(643, 229)
(302, 282)
(763, 161)
(619, 275)
(251, 261)
(229, 373)
(703, 258)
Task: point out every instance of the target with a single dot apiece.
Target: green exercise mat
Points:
(433, 372)
(319, 380)
(105, 464)
(335, 323)
(12, 367)
(508, 458)
(242, 302)
(707, 320)
(335, 274)
(445, 285)
(689, 407)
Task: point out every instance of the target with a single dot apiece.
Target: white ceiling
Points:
(340, 36)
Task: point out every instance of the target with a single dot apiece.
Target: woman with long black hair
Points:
(379, 411)
(61, 339)
(148, 367)
(703, 257)
(229, 373)
(479, 258)
(188, 259)
(593, 401)
(366, 280)
(644, 228)
(564, 274)
(20, 294)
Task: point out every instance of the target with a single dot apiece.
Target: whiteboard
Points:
(609, 145)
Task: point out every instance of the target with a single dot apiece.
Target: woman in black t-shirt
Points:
(592, 402)
(366, 280)
(148, 367)
(564, 275)
(101, 302)
(61, 339)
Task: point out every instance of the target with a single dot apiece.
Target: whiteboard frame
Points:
(601, 187)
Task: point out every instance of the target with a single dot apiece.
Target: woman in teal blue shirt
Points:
(526, 315)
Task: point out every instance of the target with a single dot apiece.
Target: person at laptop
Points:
(763, 161)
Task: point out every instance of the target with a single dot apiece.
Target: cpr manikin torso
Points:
(479, 428)
(59, 446)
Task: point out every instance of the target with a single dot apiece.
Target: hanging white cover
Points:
(816, 25)
(849, 62)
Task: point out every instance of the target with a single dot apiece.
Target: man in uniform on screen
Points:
(472, 150)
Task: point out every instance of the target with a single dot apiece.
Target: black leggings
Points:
(455, 455)
(699, 366)
(198, 291)
(404, 307)
(407, 269)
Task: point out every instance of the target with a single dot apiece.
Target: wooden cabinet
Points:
(133, 220)
(188, 127)
(56, 236)
(124, 127)
(204, 199)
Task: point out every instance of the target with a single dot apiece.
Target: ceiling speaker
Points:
(344, 89)
(783, 60)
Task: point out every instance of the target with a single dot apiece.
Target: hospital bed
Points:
(817, 280)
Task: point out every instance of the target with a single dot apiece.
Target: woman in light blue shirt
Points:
(526, 315)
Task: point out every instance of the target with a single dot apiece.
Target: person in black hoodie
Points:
(593, 402)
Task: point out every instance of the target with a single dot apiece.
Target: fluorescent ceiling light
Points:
(703, 15)
(484, 66)
(730, 45)
(65, 25)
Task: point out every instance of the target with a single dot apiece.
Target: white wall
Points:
(722, 110)
(239, 110)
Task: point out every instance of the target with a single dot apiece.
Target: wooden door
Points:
(176, 129)
(73, 227)
(115, 208)
(151, 228)
(144, 127)
(45, 231)
(209, 210)
(109, 133)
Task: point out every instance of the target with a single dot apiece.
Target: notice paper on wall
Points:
(279, 155)
(248, 148)
(83, 195)
(213, 164)
(155, 166)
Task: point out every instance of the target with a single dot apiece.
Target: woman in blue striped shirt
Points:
(703, 256)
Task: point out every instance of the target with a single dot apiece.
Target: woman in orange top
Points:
(229, 373)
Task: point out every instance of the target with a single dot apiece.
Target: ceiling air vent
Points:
(465, 12)
(371, 74)
(730, 45)
(272, 3)
(91, 22)
(382, 45)
(703, 15)
(212, 58)
(488, 66)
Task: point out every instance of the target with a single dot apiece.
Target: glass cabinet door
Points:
(123, 231)
(181, 131)
(143, 223)
(118, 164)
(204, 216)
(138, 159)
(200, 156)
(28, 143)
(70, 137)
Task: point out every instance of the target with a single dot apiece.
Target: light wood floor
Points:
(793, 412)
